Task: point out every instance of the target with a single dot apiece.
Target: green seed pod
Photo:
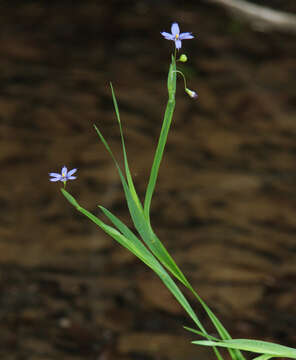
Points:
(183, 58)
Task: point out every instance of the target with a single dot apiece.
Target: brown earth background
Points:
(225, 202)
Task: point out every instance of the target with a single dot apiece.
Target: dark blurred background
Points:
(225, 201)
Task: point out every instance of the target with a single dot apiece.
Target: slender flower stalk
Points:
(191, 93)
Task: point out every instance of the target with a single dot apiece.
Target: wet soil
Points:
(225, 201)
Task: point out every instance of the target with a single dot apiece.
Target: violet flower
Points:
(176, 36)
(64, 176)
(191, 93)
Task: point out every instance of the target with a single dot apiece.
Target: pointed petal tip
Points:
(71, 172)
(186, 36)
(175, 29)
(178, 44)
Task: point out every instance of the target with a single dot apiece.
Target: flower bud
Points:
(183, 58)
(191, 93)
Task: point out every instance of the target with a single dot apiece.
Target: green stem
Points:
(162, 138)
(180, 72)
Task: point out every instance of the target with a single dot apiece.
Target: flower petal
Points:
(71, 172)
(64, 170)
(186, 36)
(54, 179)
(175, 29)
(54, 174)
(167, 36)
(178, 44)
(191, 93)
(71, 177)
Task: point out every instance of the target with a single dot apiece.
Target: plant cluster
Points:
(145, 244)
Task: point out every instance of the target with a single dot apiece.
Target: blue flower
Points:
(176, 36)
(64, 176)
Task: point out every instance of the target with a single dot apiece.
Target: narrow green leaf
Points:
(209, 337)
(256, 346)
(155, 265)
(130, 235)
(137, 214)
(128, 194)
(144, 228)
(174, 289)
(107, 146)
(135, 210)
(126, 165)
(263, 357)
(235, 354)
(134, 205)
(137, 248)
(158, 269)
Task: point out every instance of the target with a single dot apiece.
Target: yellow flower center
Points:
(176, 36)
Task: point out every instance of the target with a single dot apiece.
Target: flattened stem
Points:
(162, 138)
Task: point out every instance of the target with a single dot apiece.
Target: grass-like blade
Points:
(256, 346)
(137, 248)
(209, 337)
(129, 234)
(234, 353)
(263, 357)
(122, 178)
(137, 214)
(143, 226)
(157, 266)
(135, 208)
(168, 281)
(141, 223)
(108, 229)
(126, 165)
